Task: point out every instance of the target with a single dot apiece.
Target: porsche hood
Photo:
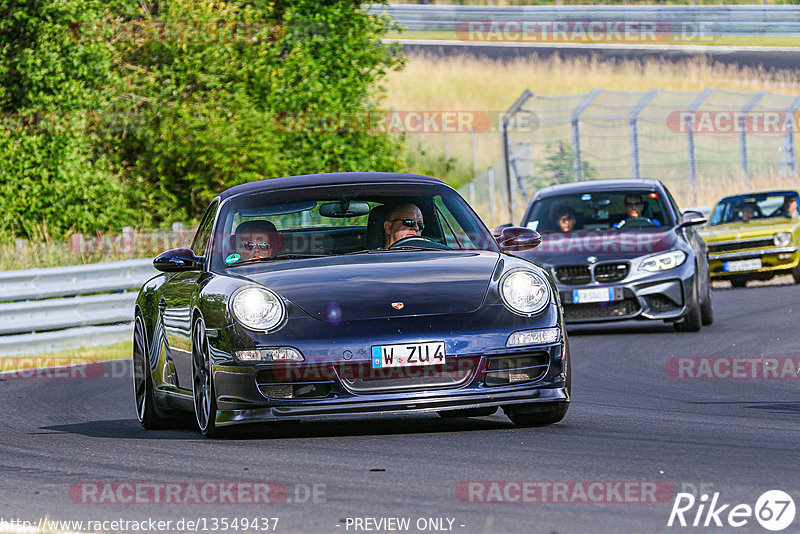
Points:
(381, 284)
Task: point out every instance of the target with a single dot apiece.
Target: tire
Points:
(468, 412)
(146, 411)
(707, 309)
(738, 281)
(205, 400)
(692, 321)
(796, 274)
(542, 414)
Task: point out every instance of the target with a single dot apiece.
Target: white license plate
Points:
(742, 265)
(599, 294)
(408, 354)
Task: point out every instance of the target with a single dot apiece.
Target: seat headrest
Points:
(375, 237)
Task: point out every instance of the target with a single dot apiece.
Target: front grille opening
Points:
(742, 245)
(362, 378)
(504, 370)
(660, 302)
(318, 390)
(573, 274)
(610, 272)
(601, 310)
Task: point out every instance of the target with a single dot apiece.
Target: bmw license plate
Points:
(741, 265)
(408, 354)
(599, 294)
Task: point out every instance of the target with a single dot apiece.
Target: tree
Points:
(558, 167)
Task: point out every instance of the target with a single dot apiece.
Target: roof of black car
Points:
(591, 186)
(335, 178)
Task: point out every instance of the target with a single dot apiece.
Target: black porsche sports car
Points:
(621, 249)
(338, 294)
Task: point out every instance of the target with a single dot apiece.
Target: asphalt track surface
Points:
(629, 421)
(766, 57)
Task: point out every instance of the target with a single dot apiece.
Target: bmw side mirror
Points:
(693, 218)
(178, 259)
(516, 238)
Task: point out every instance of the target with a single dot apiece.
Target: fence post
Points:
(490, 178)
(742, 125)
(178, 230)
(577, 163)
(474, 154)
(689, 118)
(128, 241)
(634, 127)
(789, 159)
(76, 243)
(504, 121)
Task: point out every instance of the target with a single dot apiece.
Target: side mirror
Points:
(178, 259)
(693, 218)
(516, 238)
(498, 230)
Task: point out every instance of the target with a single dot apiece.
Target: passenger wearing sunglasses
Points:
(256, 239)
(402, 221)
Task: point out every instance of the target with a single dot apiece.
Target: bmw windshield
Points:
(612, 210)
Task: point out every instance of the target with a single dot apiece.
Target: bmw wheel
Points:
(707, 309)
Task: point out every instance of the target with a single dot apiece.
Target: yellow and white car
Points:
(754, 236)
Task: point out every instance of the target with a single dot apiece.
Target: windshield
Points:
(612, 210)
(755, 207)
(340, 220)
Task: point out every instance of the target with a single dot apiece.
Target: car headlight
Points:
(524, 292)
(663, 262)
(782, 239)
(257, 308)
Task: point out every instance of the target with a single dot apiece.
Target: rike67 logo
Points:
(774, 510)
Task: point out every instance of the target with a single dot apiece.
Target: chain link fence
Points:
(702, 144)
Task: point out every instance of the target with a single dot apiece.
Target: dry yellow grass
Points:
(465, 83)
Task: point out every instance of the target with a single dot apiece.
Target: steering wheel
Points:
(636, 222)
(418, 241)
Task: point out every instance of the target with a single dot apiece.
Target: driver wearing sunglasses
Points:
(402, 221)
(256, 239)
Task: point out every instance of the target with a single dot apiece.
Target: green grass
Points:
(68, 357)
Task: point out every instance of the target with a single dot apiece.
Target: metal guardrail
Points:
(45, 310)
(729, 20)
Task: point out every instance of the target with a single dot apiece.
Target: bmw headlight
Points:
(782, 239)
(663, 262)
(257, 308)
(524, 292)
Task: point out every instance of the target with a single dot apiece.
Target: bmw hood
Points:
(381, 284)
(604, 245)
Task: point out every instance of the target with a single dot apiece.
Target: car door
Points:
(176, 305)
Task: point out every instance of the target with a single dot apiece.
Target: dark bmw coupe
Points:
(621, 249)
(340, 294)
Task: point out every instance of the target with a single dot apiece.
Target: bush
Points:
(158, 106)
